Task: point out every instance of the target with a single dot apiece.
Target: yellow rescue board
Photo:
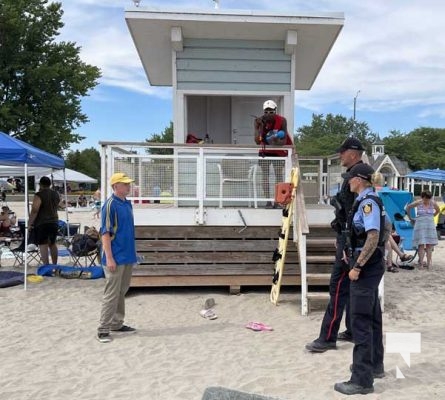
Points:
(280, 253)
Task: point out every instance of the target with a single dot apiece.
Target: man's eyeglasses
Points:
(269, 111)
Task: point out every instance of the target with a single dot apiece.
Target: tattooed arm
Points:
(372, 240)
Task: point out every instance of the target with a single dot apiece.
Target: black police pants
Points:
(338, 298)
(366, 320)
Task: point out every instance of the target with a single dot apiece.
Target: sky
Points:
(390, 56)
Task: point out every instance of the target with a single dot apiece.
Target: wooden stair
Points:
(223, 256)
(320, 244)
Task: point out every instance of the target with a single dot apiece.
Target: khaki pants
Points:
(113, 301)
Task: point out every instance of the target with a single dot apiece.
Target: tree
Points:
(164, 137)
(325, 134)
(41, 81)
(86, 161)
(422, 148)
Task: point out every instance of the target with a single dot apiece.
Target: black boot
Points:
(350, 388)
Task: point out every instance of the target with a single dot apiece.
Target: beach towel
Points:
(68, 272)
(11, 278)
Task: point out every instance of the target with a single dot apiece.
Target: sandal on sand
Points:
(392, 268)
(258, 326)
(406, 258)
(408, 267)
(209, 303)
(208, 314)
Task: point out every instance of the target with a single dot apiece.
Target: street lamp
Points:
(355, 103)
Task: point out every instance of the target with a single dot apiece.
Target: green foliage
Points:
(423, 148)
(325, 134)
(164, 137)
(41, 81)
(86, 161)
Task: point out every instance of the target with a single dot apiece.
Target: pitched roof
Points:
(401, 166)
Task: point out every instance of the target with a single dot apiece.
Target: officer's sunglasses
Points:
(269, 111)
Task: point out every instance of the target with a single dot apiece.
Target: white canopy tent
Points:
(70, 176)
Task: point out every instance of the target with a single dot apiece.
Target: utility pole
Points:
(355, 104)
(353, 117)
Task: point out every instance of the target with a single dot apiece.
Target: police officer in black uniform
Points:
(350, 152)
(366, 240)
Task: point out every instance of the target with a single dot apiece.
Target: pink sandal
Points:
(258, 326)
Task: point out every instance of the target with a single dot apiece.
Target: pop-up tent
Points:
(14, 152)
(429, 175)
(70, 176)
(433, 177)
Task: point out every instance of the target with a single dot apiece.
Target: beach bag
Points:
(92, 233)
(193, 139)
(82, 245)
(283, 193)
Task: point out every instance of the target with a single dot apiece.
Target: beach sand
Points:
(48, 348)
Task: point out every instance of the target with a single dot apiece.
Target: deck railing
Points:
(195, 175)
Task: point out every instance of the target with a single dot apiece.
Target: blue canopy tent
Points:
(395, 202)
(429, 175)
(14, 152)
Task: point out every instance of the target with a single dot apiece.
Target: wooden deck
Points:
(226, 256)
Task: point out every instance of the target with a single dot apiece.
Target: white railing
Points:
(194, 175)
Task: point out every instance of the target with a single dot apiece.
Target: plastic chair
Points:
(238, 171)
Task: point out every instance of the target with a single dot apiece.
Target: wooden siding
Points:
(238, 65)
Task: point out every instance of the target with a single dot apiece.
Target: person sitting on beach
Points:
(7, 220)
(392, 247)
(82, 200)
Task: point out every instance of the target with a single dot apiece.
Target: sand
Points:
(48, 348)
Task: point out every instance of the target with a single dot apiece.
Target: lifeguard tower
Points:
(199, 208)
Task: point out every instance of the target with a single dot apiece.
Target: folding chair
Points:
(63, 229)
(80, 249)
(19, 251)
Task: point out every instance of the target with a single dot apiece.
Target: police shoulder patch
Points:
(367, 208)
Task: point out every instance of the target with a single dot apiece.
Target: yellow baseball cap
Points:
(120, 177)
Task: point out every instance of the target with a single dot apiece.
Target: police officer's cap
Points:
(351, 143)
(361, 170)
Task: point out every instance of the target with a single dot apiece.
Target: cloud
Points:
(391, 51)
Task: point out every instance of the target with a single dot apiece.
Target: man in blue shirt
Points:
(118, 257)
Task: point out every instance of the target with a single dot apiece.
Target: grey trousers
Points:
(113, 302)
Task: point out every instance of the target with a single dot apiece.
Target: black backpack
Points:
(82, 244)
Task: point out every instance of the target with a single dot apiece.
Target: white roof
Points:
(150, 29)
(71, 176)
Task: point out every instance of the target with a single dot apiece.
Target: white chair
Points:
(238, 171)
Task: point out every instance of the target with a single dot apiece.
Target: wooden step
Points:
(318, 279)
(327, 242)
(318, 296)
(329, 259)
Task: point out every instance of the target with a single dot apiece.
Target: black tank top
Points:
(48, 209)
